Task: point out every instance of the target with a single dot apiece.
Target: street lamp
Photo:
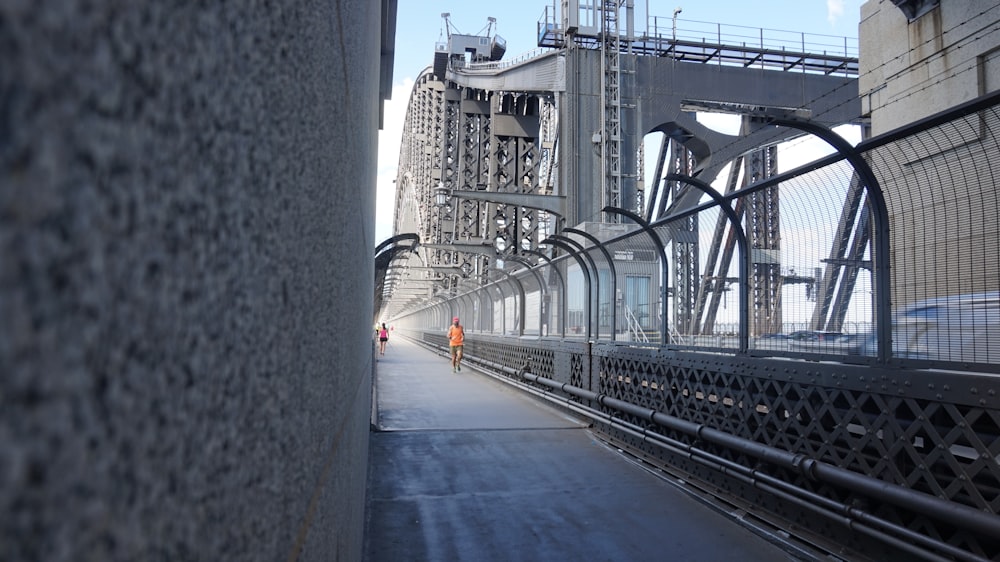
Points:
(500, 218)
(440, 195)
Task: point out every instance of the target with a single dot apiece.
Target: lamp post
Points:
(440, 195)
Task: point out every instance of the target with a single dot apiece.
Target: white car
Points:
(961, 328)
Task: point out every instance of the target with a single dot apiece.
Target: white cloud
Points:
(388, 157)
(834, 10)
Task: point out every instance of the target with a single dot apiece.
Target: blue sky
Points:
(419, 26)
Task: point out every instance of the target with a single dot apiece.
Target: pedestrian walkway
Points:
(466, 468)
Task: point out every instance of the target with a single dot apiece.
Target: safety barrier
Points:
(859, 460)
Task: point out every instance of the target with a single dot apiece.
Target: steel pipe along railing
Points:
(967, 517)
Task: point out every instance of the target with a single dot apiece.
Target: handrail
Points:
(925, 504)
(723, 44)
(634, 327)
(476, 67)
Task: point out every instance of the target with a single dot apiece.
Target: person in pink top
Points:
(383, 337)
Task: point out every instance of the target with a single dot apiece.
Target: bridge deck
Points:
(467, 468)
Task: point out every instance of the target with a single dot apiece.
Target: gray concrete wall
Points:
(943, 209)
(914, 69)
(186, 230)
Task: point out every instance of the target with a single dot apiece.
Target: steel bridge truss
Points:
(471, 150)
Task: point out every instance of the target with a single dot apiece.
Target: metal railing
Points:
(722, 44)
(897, 451)
(636, 333)
(867, 471)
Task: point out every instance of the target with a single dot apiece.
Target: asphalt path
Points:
(466, 468)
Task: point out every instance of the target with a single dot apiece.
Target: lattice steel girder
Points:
(424, 142)
(879, 232)
(853, 266)
(416, 169)
(828, 100)
(719, 259)
(575, 78)
(763, 230)
(611, 138)
(840, 274)
(737, 236)
(450, 161)
(555, 204)
(548, 121)
(514, 165)
(685, 247)
(474, 162)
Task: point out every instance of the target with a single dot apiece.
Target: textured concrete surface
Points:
(464, 468)
(186, 229)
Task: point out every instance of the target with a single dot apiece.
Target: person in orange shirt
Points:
(456, 339)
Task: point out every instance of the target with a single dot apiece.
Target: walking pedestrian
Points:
(383, 337)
